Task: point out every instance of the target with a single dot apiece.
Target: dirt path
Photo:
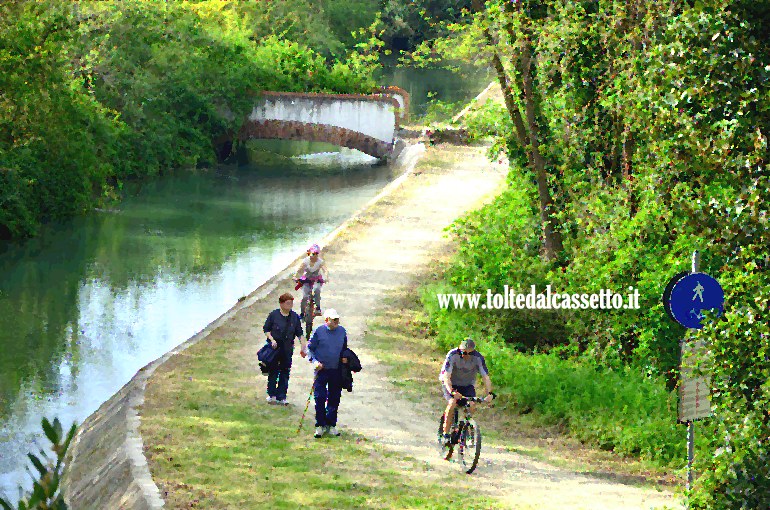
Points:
(382, 250)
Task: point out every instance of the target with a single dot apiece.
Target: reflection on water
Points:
(87, 304)
(423, 85)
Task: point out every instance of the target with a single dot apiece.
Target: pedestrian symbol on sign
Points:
(698, 293)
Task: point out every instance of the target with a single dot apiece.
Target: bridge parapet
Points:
(400, 95)
(363, 122)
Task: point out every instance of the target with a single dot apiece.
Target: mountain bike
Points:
(465, 436)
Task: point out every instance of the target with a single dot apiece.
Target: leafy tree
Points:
(407, 24)
(97, 93)
(652, 121)
(512, 33)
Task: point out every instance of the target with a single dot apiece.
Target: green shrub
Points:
(490, 120)
(653, 149)
(439, 112)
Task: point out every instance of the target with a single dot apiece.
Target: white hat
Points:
(331, 313)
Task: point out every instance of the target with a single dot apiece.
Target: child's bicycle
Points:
(310, 309)
(465, 436)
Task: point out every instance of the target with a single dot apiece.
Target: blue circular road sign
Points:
(693, 294)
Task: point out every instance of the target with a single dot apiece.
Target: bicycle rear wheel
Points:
(469, 446)
(444, 451)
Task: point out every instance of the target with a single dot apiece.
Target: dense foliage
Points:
(92, 94)
(326, 26)
(405, 25)
(652, 123)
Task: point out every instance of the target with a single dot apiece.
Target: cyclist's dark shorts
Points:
(465, 391)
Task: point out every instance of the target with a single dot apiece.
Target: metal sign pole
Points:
(690, 451)
(685, 297)
(691, 423)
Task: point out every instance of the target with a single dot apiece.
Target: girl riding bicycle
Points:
(312, 273)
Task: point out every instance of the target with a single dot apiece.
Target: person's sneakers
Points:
(272, 400)
(447, 439)
(333, 431)
(282, 402)
(319, 431)
(317, 312)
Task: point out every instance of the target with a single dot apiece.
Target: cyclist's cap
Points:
(467, 344)
(314, 249)
(331, 313)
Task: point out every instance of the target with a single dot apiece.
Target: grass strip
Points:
(212, 442)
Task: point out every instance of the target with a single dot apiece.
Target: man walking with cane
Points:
(325, 348)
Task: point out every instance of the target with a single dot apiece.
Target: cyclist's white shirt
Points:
(462, 370)
(311, 270)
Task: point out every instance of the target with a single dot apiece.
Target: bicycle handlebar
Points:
(476, 399)
(311, 279)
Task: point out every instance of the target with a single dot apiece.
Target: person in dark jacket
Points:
(352, 364)
(325, 347)
(281, 327)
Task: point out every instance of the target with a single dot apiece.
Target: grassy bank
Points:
(215, 443)
(648, 152)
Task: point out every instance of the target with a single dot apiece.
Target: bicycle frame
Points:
(458, 425)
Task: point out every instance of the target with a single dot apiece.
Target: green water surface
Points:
(89, 302)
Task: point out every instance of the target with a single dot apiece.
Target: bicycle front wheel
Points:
(444, 451)
(470, 446)
(309, 313)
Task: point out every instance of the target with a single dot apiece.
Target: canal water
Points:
(425, 86)
(89, 302)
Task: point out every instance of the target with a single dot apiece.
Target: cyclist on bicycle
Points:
(458, 375)
(312, 273)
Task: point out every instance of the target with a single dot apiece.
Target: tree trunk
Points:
(553, 241)
(527, 134)
(505, 83)
(510, 102)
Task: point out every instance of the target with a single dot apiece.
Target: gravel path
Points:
(387, 246)
(384, 249)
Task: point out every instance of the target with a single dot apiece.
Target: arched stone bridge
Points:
(358, 121)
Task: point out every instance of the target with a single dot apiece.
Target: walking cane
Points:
(312, 386)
